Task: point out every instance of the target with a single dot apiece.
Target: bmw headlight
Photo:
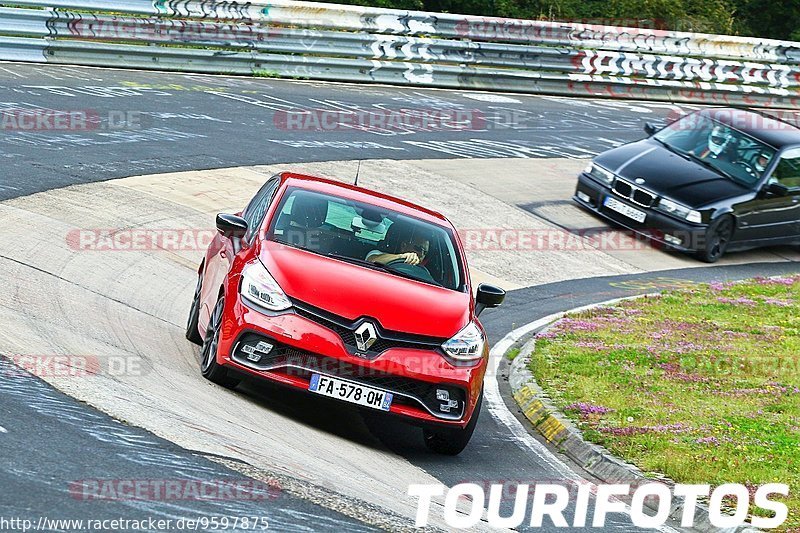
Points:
(466, 345)
(599, 173)
(678, 210)
(261, 289)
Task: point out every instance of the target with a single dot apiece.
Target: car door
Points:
(773, 217)
(223, 249)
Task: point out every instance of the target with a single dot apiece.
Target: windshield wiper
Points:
(672, 148)
(304, 248)
(357, 261)
(710, 166)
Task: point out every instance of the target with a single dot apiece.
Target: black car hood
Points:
(668, 174)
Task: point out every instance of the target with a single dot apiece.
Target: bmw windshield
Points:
(713, 144)
(369, 236)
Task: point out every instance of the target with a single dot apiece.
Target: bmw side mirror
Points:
(231, 225)
(650, 129)
(776, 189)
(488, 297)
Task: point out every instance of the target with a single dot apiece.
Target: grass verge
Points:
(701, 385)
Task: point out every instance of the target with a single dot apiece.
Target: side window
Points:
(257, 208)
(788, 170)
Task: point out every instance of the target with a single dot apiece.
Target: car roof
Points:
(360, 194)
(760, 125)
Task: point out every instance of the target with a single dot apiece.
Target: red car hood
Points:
(352, 291)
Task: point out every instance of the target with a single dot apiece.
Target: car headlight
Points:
(599, 173)
(467, 344)
(261, 289)
(680, 211)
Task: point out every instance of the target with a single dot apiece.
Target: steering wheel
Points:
(750, 170)
(416, 271)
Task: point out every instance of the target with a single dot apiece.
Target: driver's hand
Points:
(411, 258)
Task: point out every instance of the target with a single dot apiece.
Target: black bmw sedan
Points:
(715, 180)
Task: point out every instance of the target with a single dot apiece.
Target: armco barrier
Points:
(368, 45)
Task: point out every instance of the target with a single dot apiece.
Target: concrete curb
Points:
(562, 434)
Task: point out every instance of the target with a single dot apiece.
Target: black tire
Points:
(209, 367)
(192, 327)
(448, 441)
(718, 237)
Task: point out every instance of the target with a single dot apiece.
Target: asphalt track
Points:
(58, 451)
(149, 122)
(194, 120)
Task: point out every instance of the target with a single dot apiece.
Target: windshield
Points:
(734, 154)
(369, 236)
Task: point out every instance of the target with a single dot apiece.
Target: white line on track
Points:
(11, 72)
(500, 411)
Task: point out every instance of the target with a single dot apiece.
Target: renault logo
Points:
(366, 336)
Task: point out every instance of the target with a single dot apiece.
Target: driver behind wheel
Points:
(411, 251)
(761, 162)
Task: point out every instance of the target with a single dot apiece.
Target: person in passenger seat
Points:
(306, 220)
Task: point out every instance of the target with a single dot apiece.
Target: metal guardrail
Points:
(367, 45)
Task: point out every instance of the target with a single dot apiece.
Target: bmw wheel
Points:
(718, 236)
(209, 367)
(452, 441)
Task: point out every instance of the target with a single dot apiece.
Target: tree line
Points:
(771, 19)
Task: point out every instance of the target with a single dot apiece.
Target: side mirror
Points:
(776, 189)
(231, 225)
(488, 297)
(650, 129)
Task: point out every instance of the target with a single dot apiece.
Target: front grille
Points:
(642, 198)
(623, 188)
(294, 362)
(633, 193)
(418, 391)
(346, 331)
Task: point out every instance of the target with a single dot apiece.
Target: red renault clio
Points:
(349, 294)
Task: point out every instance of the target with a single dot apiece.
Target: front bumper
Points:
(303, 347)
(658, 227)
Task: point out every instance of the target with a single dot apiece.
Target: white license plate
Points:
(351, 392)
(624, 209)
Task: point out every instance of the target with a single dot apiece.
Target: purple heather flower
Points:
(586, 409)
(708, 440)
(737, 301)
(595, 345)
(777, 302)
(777, 281)
(639, 430)
(574, 324)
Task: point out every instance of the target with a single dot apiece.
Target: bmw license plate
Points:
(624, 209)
(350, 392)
